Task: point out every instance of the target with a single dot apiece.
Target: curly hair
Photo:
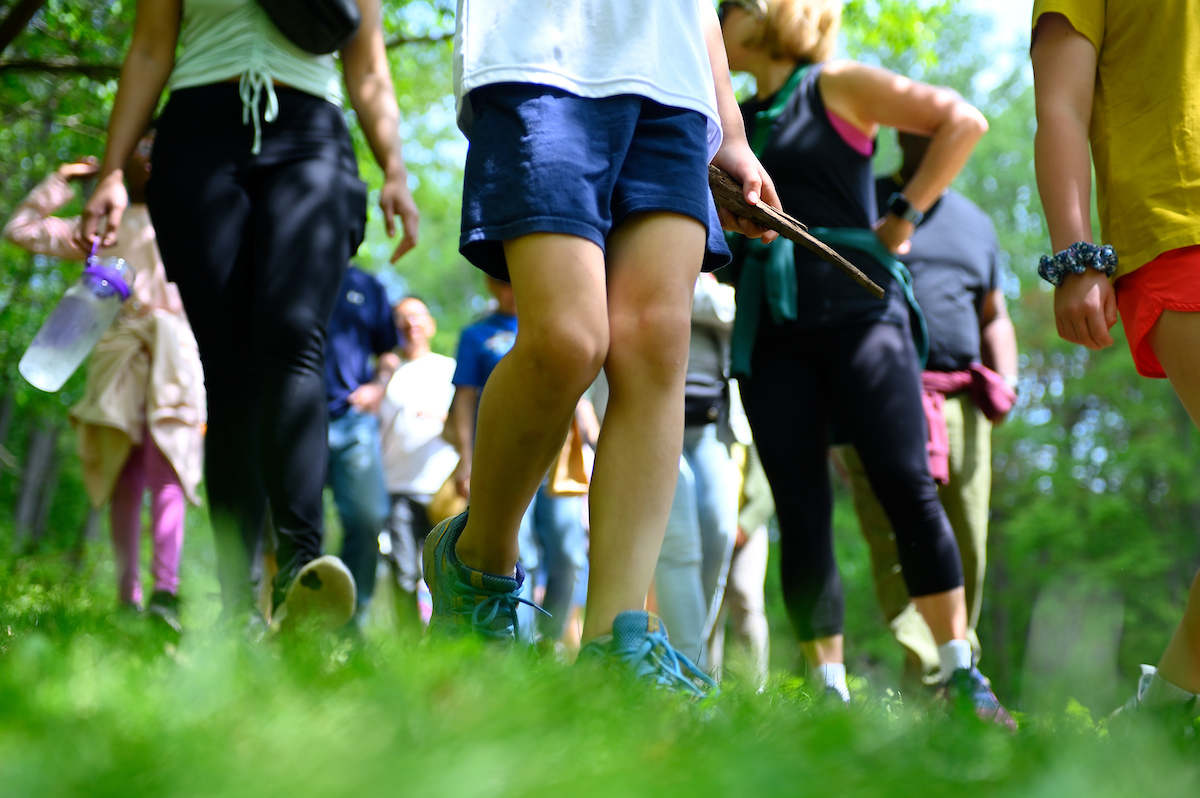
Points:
(801, 30)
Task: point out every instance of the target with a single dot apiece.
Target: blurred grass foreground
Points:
(97, 703)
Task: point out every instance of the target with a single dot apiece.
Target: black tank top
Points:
(824, 182)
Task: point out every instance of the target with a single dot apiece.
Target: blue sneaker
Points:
(639, 642)
(466, 600)
(970, 691)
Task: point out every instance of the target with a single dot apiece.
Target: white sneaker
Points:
(322, 593)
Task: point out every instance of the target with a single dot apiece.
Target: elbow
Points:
(969, 121)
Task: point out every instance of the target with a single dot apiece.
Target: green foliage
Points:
(92, 702)
(895, 27)
(1094, 488)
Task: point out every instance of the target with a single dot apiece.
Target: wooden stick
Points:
(728, 193)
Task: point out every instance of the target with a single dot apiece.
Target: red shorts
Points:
(1169, 282)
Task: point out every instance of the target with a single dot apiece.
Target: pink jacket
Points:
(145, 371)
(989, 392)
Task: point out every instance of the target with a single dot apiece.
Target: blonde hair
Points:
(799, 30)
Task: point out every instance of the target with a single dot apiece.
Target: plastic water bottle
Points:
(77, 322)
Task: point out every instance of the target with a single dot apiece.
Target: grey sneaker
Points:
(1179, 717)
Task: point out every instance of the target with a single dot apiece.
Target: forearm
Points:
(462, 416)
(144, 75)
(372, 95)
(385, 367)
(732, 127)
(33, 228)
(949, 150)
(1064, 84)
(1064, 175)
(373, 100)
(998, 347)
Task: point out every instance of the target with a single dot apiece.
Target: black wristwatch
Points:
(898, 205)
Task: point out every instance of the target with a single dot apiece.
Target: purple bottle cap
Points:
(112, 276)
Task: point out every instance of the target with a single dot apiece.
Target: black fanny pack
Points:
(317, 26)
(704, 403)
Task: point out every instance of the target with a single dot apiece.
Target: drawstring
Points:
(250, 87)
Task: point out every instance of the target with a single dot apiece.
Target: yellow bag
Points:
(569, 476)
(446, 503)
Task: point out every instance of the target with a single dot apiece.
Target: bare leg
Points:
(527, 404)
(653, 261)
(1175, 338)
(945, 614)
(823, 650)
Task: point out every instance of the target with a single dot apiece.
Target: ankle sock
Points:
(833, 674)
(1161, 693)
(954, 655)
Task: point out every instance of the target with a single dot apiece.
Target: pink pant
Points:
(147, 467)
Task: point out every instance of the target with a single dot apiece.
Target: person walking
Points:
(591, 125)
(481, 347)
(417, 459)
(969, 383)
(1117, 83)
(359, 363)
(139, 425)
(689, 580)
(257, 202)
(832, 354)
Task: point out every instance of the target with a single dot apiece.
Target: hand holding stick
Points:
(728, 193)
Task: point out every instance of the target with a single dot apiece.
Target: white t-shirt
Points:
(591, 48)
(416, 459)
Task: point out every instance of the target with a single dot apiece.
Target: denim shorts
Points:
(542, 160)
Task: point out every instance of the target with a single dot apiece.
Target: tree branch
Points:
(399, 41)
(16, 21)
(74, 66)
(61, 66)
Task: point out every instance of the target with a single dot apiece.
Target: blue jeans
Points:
(558, 529)
(355, 474)
(553, 548)
(689, 580)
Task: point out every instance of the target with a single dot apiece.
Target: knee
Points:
(291, 337)
(650, 343)
(565, 352)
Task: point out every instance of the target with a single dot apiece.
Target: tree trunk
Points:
(38, 462)
(49, 488)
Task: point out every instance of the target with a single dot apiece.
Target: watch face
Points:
(899, 205)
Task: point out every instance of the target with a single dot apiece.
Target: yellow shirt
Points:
(1145, 128)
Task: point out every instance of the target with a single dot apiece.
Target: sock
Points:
(954, 655)
(833, 674)
(1161, 693)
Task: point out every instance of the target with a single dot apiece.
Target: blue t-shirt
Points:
(361, 326)
(481, 347)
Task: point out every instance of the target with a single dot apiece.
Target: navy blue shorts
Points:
(542, 160)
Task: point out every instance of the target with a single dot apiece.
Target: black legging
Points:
(866, 380)
(258, 245)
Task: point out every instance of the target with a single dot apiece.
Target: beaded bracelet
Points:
(1077, 258)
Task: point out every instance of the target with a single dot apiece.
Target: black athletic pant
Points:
(866, 380)
(258, 245)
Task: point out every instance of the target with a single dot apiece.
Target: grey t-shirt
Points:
(954, 264)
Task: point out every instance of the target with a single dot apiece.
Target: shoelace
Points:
(493, 605)
(655, 657)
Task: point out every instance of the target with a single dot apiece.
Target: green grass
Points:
(93, 703)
